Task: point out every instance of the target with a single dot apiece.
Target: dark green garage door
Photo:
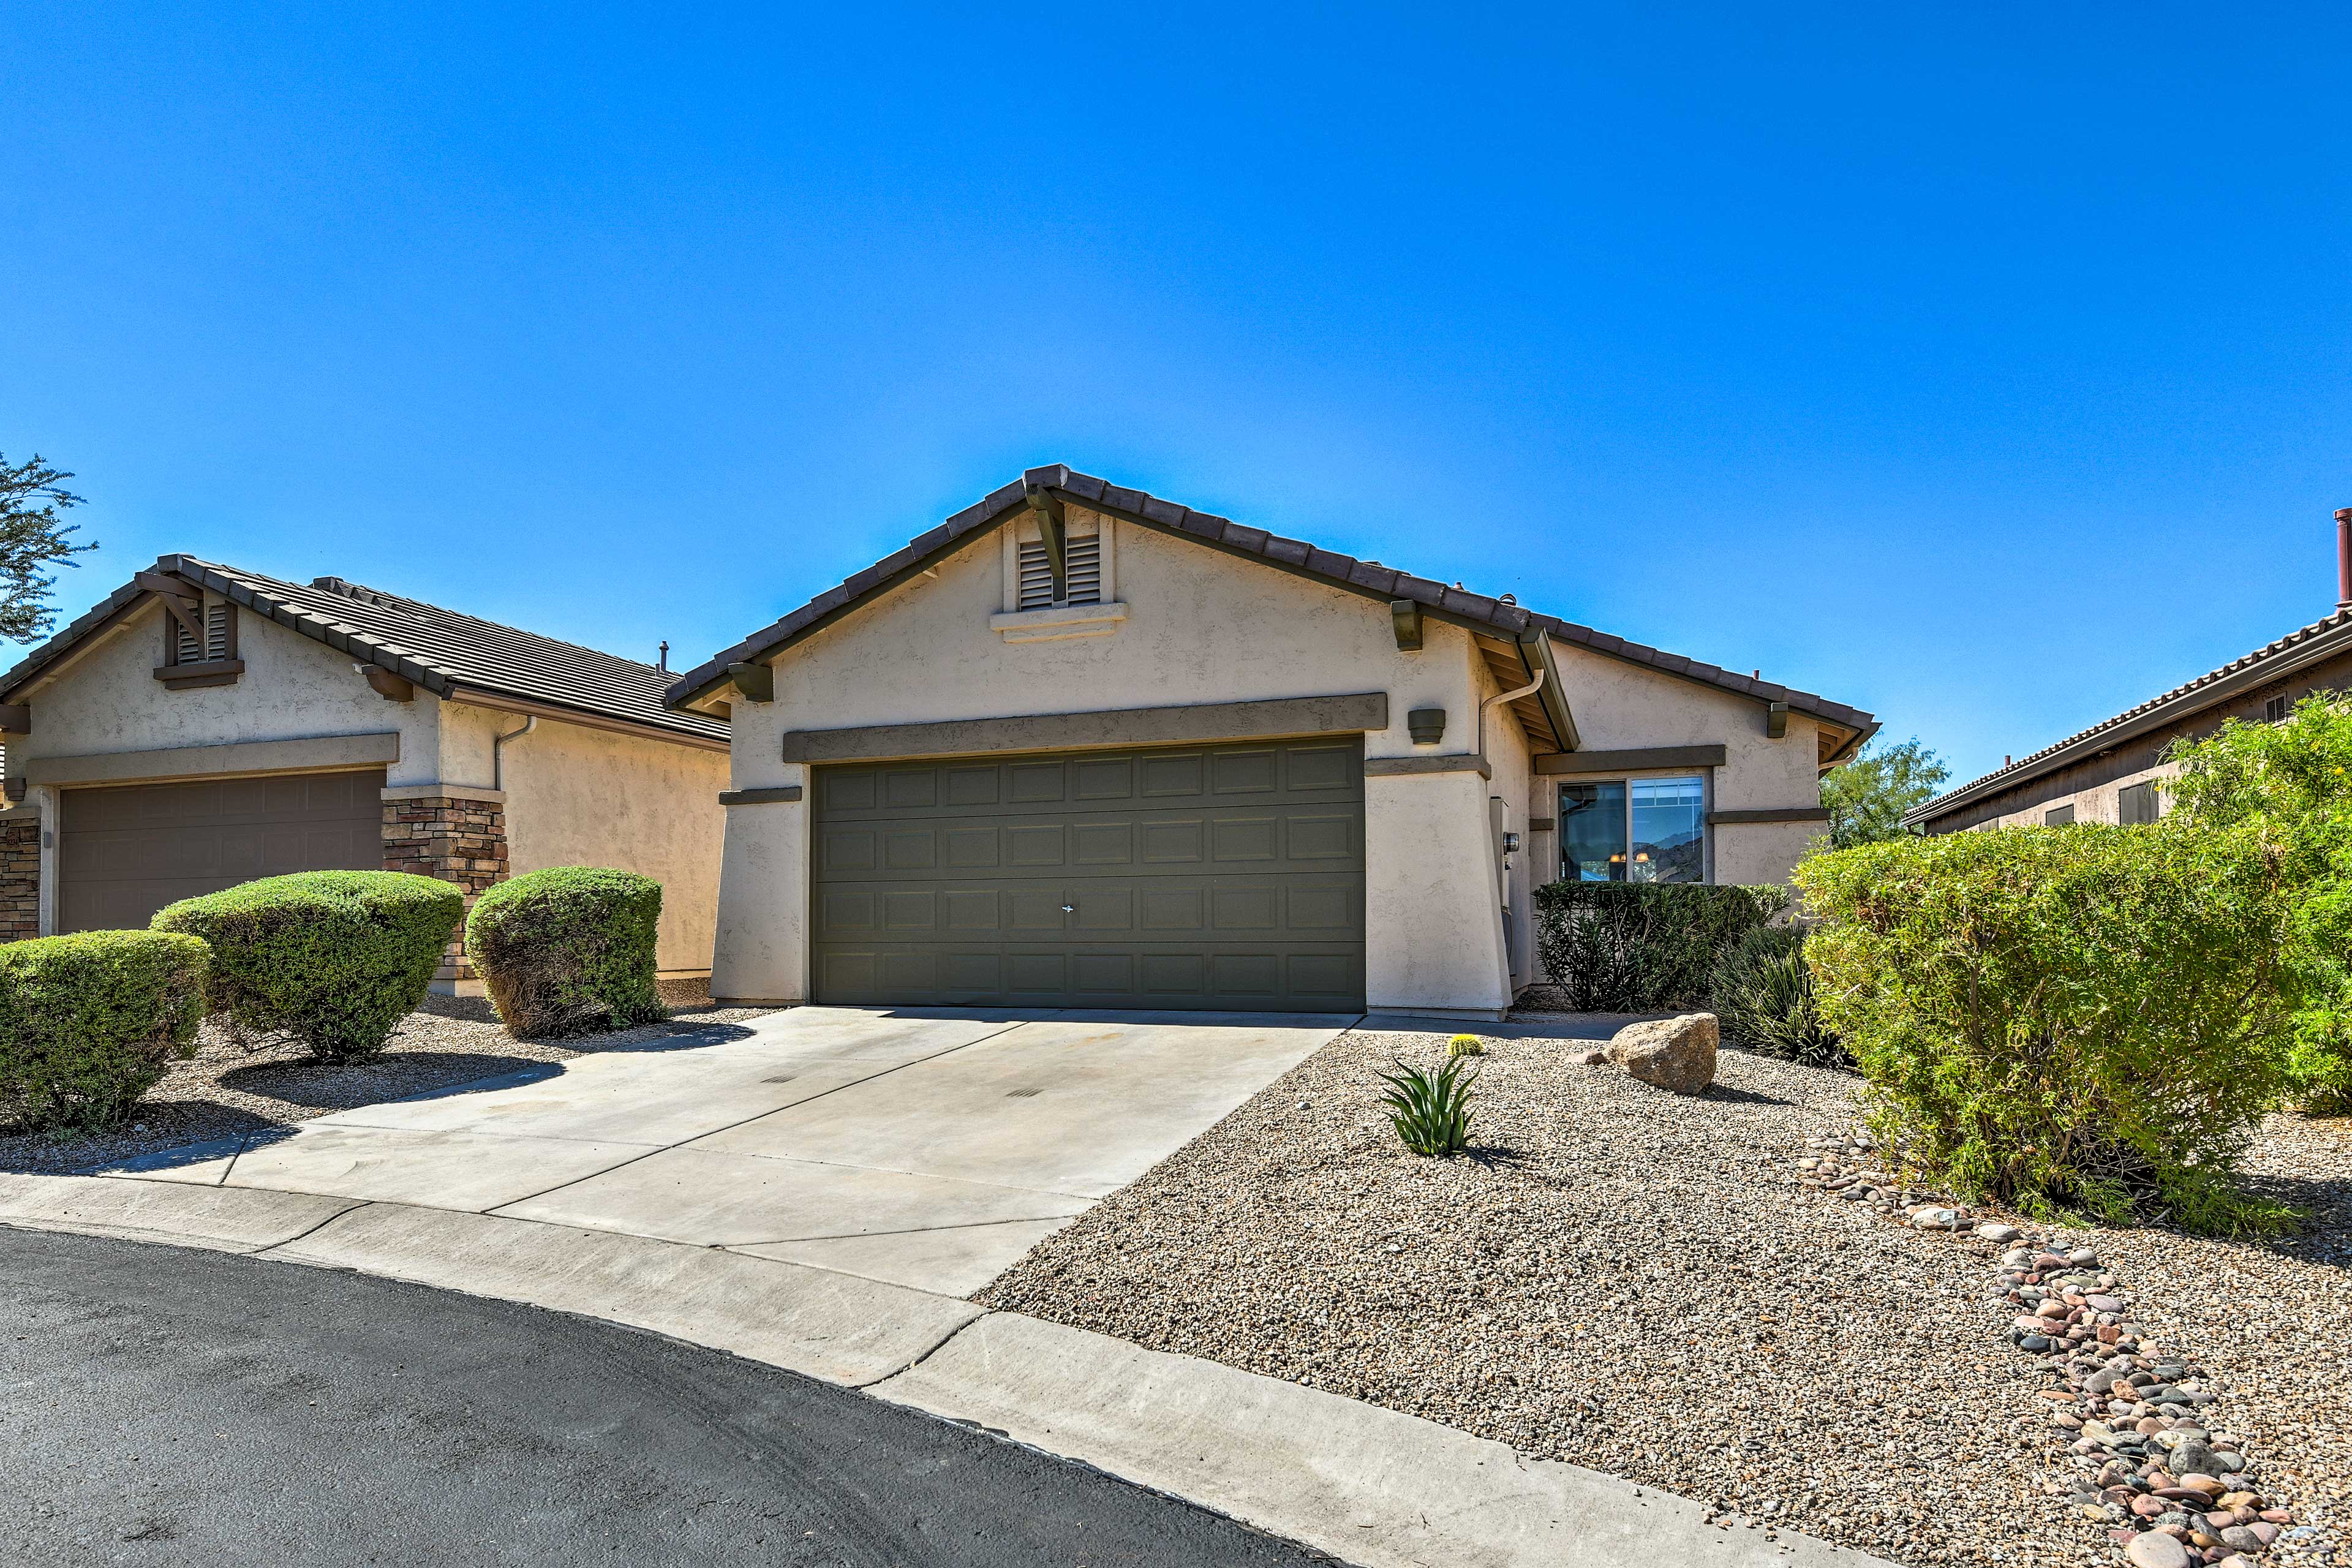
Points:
(1214, 876)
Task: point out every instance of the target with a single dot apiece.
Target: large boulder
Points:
(1677, 1053)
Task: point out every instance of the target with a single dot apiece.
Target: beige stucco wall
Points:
(574, 796)
(1202, 626)
(107, 698)
(577, 797)
(2096, 804)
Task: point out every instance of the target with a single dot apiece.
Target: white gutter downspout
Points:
(1526, 691)
(498, 751)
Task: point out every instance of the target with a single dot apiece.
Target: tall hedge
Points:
(89, 1022)
(2080, 1022)
(569, 949)
(2290, 784)
(1634, 947)
(336, 959)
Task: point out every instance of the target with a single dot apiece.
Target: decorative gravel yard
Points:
(225, 1091)
(1648, 1284)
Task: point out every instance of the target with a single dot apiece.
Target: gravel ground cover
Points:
(225, 1091)
(1643, 1284)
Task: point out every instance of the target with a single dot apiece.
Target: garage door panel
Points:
(1195, 876)
(122, 854)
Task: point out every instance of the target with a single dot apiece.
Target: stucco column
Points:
(761, 953)
(1432, 897)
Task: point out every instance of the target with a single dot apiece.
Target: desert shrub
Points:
(89, 1022)
(569, 949)
(1430, 1111)
(2290, 784)
(1465, 1046)
(1762, 996)
(1636, 947)
(335, 959)
(2080, 1022)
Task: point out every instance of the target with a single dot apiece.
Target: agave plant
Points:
(1763, 995)
(1430, 1111)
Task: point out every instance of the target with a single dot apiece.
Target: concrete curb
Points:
(835, 1327)
(180, 1213)
(1368, 1485)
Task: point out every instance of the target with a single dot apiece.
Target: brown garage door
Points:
(124, 853)
(1217, 877)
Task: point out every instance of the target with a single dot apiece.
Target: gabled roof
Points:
(458, 656)
(1367, 577)
(2305, 645)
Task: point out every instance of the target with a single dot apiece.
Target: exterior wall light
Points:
(1425, 725)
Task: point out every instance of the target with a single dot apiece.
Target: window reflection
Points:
(1642, 830)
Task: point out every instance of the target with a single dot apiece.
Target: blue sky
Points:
(1985, 367)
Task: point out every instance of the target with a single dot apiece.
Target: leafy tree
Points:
(32, 537)
(1868, 796)
(2290, 784)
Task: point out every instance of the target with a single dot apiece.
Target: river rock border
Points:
(2148, 1463)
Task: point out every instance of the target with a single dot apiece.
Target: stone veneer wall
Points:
(20, 880)
(456, 840)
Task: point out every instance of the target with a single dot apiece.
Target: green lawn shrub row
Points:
(1636, 947)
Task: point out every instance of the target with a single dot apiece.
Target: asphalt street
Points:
(161, 1405)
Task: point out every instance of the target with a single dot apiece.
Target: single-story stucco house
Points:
(2115, 771)
(1081, 747)
(206, 725)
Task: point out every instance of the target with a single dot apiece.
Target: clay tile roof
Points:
(1346, 569)
(441, 650)
(2214, 685)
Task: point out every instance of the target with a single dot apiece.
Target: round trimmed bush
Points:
(89, 1022)
(336, 959)
(569, 951)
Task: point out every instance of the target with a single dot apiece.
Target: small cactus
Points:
(1465, 1046)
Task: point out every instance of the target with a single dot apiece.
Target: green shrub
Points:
(1637, 947)
(88, 1022)
(1762, 996)
(1431, 1111)
(2079, 1021)
(335, 959)
(2290, 784)
(569, 949)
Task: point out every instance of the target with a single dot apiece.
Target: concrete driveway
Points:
(923, 1148)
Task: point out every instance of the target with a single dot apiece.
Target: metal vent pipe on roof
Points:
(2344, 558)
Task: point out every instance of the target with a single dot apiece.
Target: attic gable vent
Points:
(219, 642)
(1082, 556)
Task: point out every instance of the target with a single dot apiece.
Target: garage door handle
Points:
(1069, 908)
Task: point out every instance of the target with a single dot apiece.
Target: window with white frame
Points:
(1633, 830)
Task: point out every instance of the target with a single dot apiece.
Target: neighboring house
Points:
(2113, 771)
(1081, 747)
(207, 725)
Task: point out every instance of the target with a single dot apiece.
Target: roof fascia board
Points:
(1535, 646)
(1429, 611)
(53, 666)
(533, 707)
(2326, 646)
(752, 649)
(1855, 740)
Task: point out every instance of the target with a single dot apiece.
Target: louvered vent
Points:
(1082, 557)
(216, 635)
